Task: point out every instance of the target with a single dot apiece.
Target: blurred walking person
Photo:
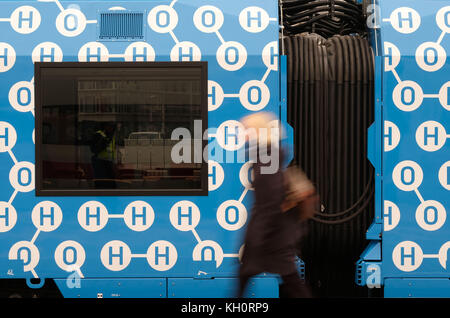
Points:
(271, 235)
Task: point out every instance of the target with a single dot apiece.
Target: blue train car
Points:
(408, 253)
(154, 72)
(160, 209)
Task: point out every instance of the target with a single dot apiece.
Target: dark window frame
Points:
(39, 191)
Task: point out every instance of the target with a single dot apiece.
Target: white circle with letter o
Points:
(70, 255)
(405, 20)
(25, 19)
(8, 136)
(162, 19)
(254, 95)
(231, 56)
(431, 215)
(443, 19)
(21, 176)
(208, 19)
(115, 255)
(407, 256)
(8, 55)
(232, 215)
(431, 56)
(71, 22)
(407, 175)
(407, 96)
(162, 255)
(21, 96)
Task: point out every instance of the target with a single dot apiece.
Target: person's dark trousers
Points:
(294, 287)
(103, 169)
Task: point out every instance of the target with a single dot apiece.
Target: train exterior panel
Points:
(150, 246)
(409, 246)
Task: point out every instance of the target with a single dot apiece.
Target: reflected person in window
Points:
(103, 147)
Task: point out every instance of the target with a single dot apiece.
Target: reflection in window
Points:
(110, 128)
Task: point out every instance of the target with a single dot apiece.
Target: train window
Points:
(106, 128)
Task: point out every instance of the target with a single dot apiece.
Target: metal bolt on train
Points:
(360, 87)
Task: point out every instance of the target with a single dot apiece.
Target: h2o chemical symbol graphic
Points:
(430, 136)
(92, 216)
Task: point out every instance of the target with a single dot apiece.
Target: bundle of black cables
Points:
(330, 106)
(323, 17)
(330, 95)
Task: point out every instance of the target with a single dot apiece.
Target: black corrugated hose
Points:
(323, 17)
(330, 105)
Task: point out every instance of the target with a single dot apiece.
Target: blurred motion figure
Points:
(271, 234)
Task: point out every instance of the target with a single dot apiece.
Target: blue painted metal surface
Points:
(238, 39)
(417, 288)
(413, 109)
(374, 232)
(258, 287)
(113, 288)
(368, 267)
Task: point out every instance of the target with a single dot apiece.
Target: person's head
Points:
(262, 127)
(263, 132)
(108, 127)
